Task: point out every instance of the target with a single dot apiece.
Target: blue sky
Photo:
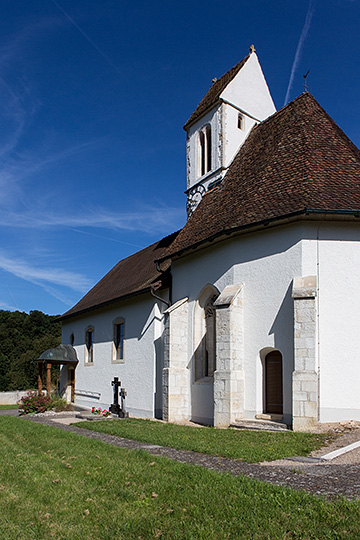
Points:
(93, 97)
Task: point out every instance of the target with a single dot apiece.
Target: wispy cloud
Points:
(18, 106)
(44, 277)
(8, 307)
(148, 219)
(88, 39)
(299, 48)
(59, 295)
(16, 168)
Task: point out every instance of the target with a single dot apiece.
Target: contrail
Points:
(87, 37)
(303, 35)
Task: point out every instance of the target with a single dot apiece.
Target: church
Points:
(251, 310)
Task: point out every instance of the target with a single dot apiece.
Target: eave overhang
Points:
(100, 305)
(305, 213)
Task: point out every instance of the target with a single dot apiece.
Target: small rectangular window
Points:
(240, 122)
(89, 346)
(119, 333)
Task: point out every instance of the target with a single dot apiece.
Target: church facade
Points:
(251, 310)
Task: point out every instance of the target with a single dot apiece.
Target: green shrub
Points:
(60, 404)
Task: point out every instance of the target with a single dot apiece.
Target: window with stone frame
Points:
(205, 336)
(89, 345)
(204, 150)
(210, 339)
(118, 341)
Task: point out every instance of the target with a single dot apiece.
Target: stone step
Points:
(269, 416)
(261, 425)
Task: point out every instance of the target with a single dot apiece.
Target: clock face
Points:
(194, 197)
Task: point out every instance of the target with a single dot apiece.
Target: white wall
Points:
(247, 93)
(11, 398)
(266, 263)
(143, 355)
(332, 253)
(214, 119)
(234, 137)
(339, 322)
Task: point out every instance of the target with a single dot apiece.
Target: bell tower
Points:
(220, 124)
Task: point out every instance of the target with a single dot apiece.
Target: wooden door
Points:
(273, 383)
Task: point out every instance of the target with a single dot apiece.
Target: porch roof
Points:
(62, 354)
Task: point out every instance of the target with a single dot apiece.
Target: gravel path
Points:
(332, 479)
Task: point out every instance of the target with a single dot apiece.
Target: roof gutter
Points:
(262, 223)
(154, 287)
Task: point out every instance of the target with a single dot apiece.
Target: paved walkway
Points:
(9, 412)
(309, 474)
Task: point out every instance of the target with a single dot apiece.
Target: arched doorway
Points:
(273, 383)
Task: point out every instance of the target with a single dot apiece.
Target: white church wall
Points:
(202, 401)
(140, 372)
(247, 94)
(332, 253)
(234, 136)
(213, 119)
(249, 91)
(339, 322)
(266, 263)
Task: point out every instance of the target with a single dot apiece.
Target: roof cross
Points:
(305, 83)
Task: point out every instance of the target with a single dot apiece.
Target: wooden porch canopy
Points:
(60, 355)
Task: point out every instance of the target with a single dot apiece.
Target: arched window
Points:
(205, 334)
(118, 341)
(89, 345)
(204, 150)
(202, 153)
(210, 338)
(208, 148)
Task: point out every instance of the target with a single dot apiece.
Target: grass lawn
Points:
(250, 446)
(7, 407)
(55, 484)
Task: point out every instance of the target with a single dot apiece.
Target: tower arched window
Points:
(204, 150)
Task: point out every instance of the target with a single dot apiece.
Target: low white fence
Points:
(11, 398)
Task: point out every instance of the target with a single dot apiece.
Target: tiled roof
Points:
(297, 159)
(129, 277)
(213, 94)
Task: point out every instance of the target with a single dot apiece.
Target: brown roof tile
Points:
(129, 277)
(213, 94)
(297, 159)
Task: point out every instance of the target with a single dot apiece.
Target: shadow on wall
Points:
(283, 330)
(159, 364)
(216, 261)
(201, 388)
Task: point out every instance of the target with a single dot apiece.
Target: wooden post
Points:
(40, 379)
(48, 379)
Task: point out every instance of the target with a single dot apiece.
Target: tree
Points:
(23, 337)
